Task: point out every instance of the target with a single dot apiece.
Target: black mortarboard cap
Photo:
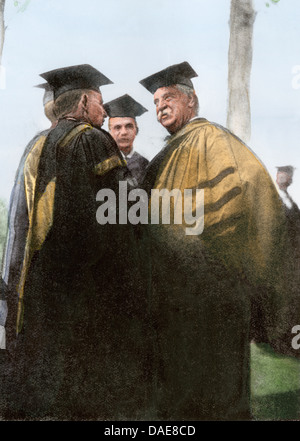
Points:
(289, 169)
(81, 76)
(124, 106)
(48, 94)
(175, 74)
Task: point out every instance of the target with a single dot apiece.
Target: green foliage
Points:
(22, 5)
(273, 1)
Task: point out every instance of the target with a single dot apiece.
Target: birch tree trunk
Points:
(242, 17)
(2, 28)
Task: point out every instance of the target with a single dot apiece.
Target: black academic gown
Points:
(79, 352)
(137, 165)
(13, 255)
(17, 224)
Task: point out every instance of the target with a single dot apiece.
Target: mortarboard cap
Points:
(124, 106)
(48, 94)
(175, 74)
(289, 169)
(82, 76)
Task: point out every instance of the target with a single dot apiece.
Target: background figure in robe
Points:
(123, 127)
(18, 221)
(18, 224)
(76, 344)
(48, 103)
(204, 284)
(284, 178)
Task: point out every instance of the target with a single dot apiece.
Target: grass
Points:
(275, 384)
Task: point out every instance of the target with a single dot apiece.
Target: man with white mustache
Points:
(209, 292)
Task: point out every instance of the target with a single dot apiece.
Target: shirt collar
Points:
(129, 154)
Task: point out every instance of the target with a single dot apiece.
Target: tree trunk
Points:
(242, 17)
(2, 27)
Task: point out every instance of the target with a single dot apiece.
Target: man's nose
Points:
(161, 105)
(123, 131)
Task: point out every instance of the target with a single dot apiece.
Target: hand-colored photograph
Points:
(150, 211)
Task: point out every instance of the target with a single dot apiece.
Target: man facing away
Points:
(75, 336)
(123, 127)
(208, 280)
(18, 221)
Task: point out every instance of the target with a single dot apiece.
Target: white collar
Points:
(192, 119)
(129, 154)
(285, 198)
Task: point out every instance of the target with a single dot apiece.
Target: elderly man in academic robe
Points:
(77, 346)
(210, 281)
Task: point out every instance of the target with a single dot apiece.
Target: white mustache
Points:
(160, 114)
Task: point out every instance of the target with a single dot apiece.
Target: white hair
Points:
(189, 91)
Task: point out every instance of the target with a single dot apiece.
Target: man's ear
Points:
(84, 101)
(136, 127)
(192, 100)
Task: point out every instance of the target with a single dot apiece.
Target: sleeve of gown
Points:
(93, 163)
(276, 303)
(256, 241)
(113, 248)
